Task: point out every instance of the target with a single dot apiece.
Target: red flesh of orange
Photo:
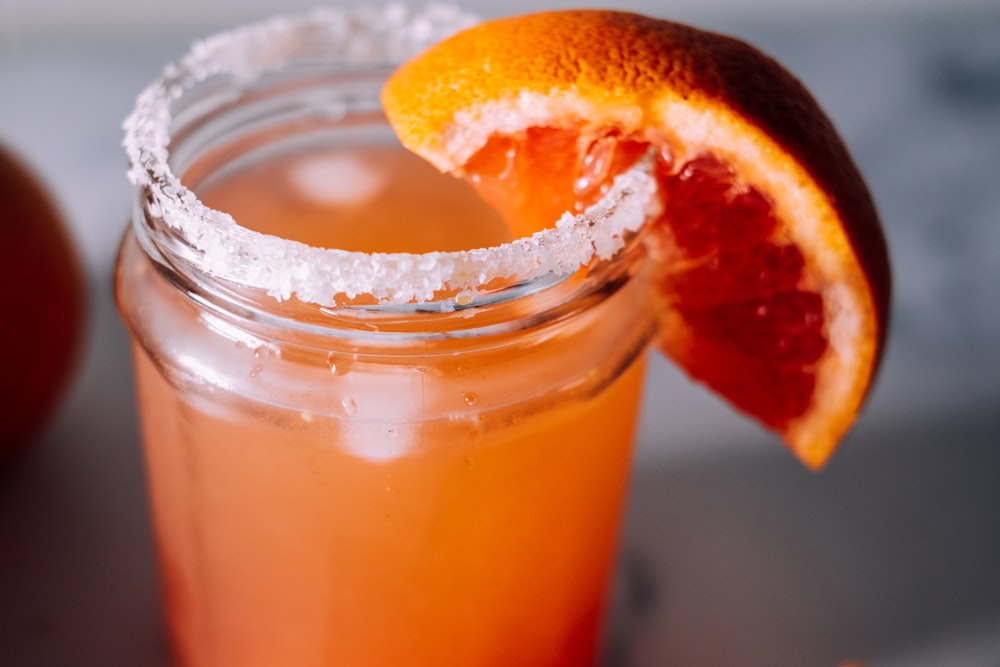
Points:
(737, 288)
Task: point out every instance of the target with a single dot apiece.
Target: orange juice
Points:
(373, 484)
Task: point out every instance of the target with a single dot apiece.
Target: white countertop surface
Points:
(733, 554)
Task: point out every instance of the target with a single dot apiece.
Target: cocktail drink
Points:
(387, 424)
(369, 441)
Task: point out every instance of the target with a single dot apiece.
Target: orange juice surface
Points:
(445, 502)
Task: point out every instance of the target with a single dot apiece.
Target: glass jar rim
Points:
(359, 37)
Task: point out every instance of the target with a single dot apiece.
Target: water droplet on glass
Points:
(511, 160)
(666, 156)
(255, 371)
(338, 365)
(595, 164)
(350, 406)
(470, 398)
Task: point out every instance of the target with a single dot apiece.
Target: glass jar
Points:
(360, 478)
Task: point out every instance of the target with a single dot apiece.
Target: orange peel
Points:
(729, 124)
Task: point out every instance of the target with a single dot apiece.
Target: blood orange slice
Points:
(769, 258)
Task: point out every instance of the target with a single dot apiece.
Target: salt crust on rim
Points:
(283, 268)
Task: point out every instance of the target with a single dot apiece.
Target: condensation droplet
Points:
(255, 371)
(666, 155)
(510, 158)
(339, 365)
(470, 398)
(350, 406)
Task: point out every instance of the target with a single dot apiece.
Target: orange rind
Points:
(769, 259)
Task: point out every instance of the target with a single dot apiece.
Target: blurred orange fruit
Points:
(42, 292)
(770, 261)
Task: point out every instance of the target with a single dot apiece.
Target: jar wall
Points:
(346, 505)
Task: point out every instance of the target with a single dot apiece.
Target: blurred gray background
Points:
(733, 555)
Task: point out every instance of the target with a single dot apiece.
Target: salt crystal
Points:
(284, 268)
